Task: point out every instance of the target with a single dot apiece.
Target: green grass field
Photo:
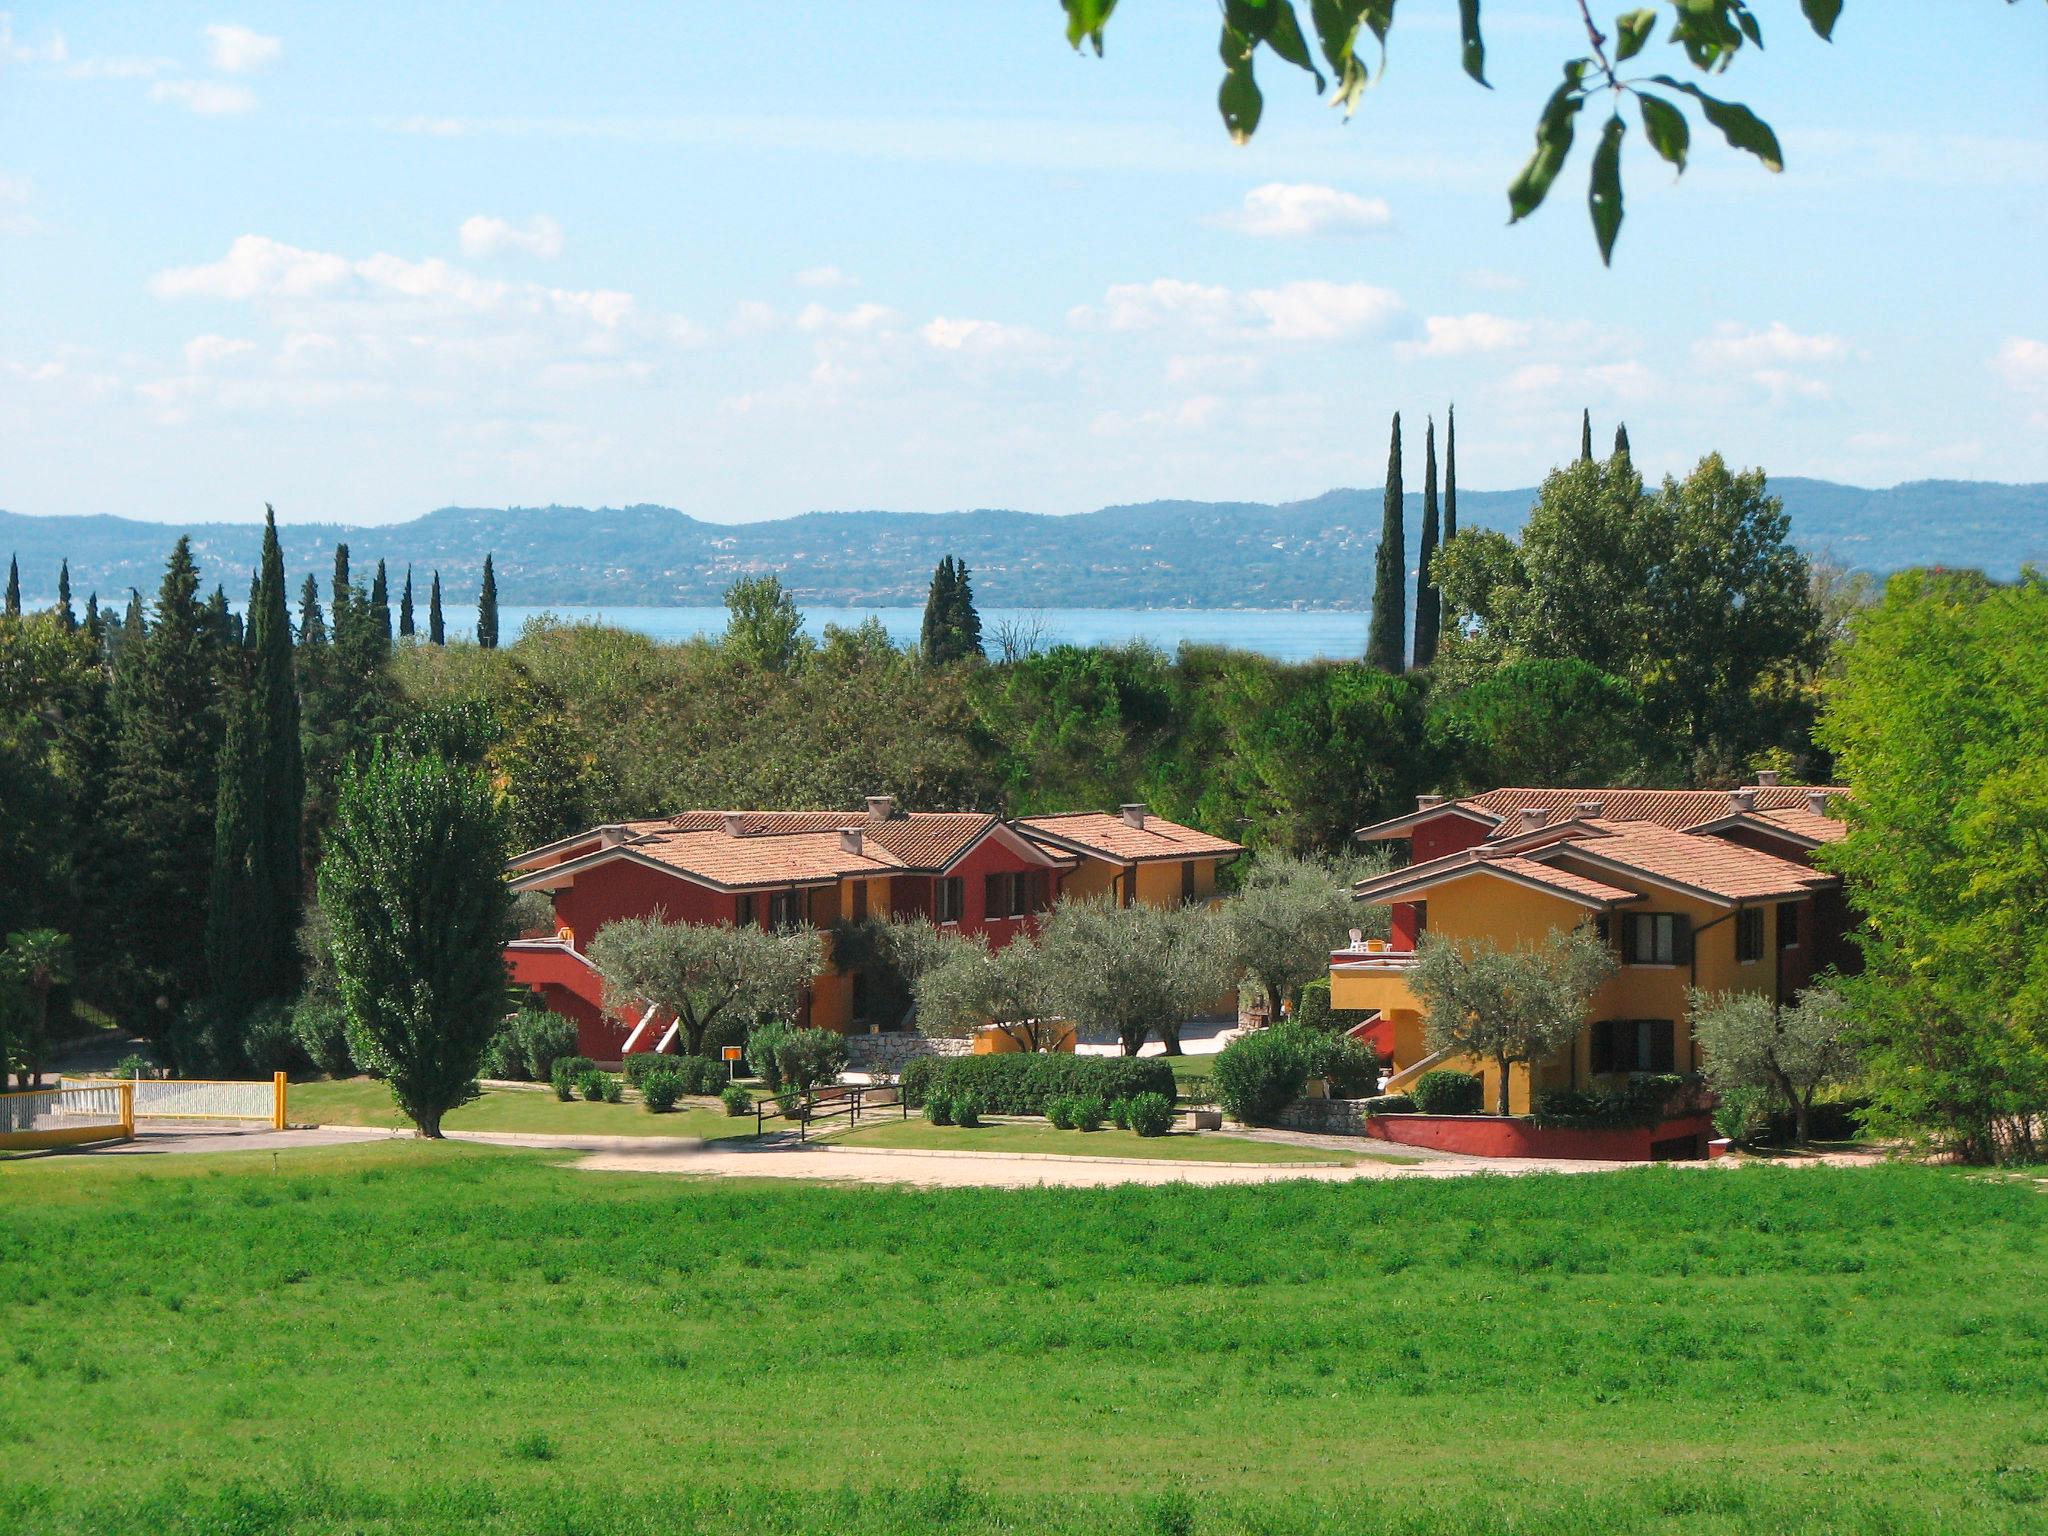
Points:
(364, 1101)
(1031, 1136)
(407, 1337)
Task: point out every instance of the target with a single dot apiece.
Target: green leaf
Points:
(1632, 31)
(1742, 128)
(1475, 45)
(1603, 192)
(1379, 15)
(1085, 19)
(1666, 128)
(1238, 100)
(1285, 39)
(1747, 22)
(1553, 144)
(1822, 15)
(1337, 24)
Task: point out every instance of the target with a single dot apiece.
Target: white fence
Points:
(47, 1117)
(195, 1099)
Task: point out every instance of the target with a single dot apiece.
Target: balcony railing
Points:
(1362, 957)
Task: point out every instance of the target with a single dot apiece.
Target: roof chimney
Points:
(1767, 777)
(1817, 801)
(1742, 800)
(1133, 814)
(881, 807)
(1428, 802)
(850, 840)
(735, 823)
(1590, 807)
(612, 836)
(1534, 816)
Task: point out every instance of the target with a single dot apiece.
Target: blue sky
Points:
(753, 260)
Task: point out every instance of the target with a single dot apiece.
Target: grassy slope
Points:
(1108, 1142)
(362, 1101)
(426, 1338)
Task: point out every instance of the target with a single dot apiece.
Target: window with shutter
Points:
(1788, 926)
(1749, 935)
(743, 910)
(995, 896)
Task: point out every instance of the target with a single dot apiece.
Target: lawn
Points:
(409, 1337)
(364, 1101)
(1034, 1136)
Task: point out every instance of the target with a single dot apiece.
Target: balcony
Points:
(1372, 974)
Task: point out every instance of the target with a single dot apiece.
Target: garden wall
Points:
(887, 1054)
(1683, 1137)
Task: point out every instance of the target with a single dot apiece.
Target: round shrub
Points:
(614, 1088)
(270, 1042)
(763, 1041)
(505, 1057)
(639, 1065)
(1120, 1114)
(590, 1083)
(566, 1073)
(1151, 1114)
(1259, 1074)
(1059, 1109)
(737, 1100)
(811, 1056)
(916, 1078)
(1390, 1104)
(938, 1109)
(1447, 1093)
(1351, 1069)
(545, 1037)
(322, 1027)
(1088, 1112)
(660, 1090)
(966, 1110)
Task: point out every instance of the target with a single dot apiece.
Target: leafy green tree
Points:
(1548, 721)
(1278, 929)
(1939, 725)
(161, 793)
(487, 608)
(1384, 637)
(1512, 1006)
(704, 973)
(1709, 33)
(975, 986)
(1428, 604)
(437, 629)
(37, 961)
(763, 627)
(417, 914)
(1132, 972)
(253, 908)
(1790, 1051)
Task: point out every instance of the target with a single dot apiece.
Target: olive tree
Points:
(1519, 1005)
(703, 972)
(1279, 928)
(1131, 971)
(974, 986)
(417, 911)
(1789, 1051)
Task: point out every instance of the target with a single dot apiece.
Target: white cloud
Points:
(208, 98)
(1282, 210)
(1308, 310)
(236, 50)
(825, 277)
(204, 351)
(1782, 384)
(124, 67)
(2023, 363)
(55, 51)
(1739, 346)
(432, 127)
(982, 338)
(254, 267)
(1463, 335)
(860, 319)
(485, 236)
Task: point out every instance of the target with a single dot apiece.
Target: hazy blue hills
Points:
(1162, 554)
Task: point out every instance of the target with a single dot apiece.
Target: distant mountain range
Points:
(1163, 554)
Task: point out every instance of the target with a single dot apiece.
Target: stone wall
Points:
(886, 1054)
(1329, 1117)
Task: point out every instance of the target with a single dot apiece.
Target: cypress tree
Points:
(380, 606)
(94, 625)
(133, 623)
(1428, 606)
(1386, 635)
(1450, 479)
(1621, 439)
(1585, 436)
(13, 589)
(339, 592)
(938, 602)
(437, 631)
(487, 609)
(405, 628)
(253, 905)
(67, 616)
(952, 628)
(966, 620)
(312, 624)
(161, 793)
(249, 613)
(227, 629)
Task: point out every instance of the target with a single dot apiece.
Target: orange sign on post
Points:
(729, 1052)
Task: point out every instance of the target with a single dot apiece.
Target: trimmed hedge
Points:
(1448, 1093)
(1640, 1102)
(967, 1110)
(938, 1109)
(1259, 1074)
(565, 1072)
(1020, 1083)
(637, 1065)
(1390, 1104)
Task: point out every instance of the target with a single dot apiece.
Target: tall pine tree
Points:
(952, 628)
(94, 626)
(380, 605)
(13, 589)
(67, 616)
(339, 593)
(966, 618)
(161, 792)
(1428, 603)
(1450, 479)
(405, 626)
(1621, 438)
(253, 908)
(437, 629)
(1585, 436)
(312, 623)
(1387, 633)
(487, 609)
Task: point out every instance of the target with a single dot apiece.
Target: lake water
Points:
(1287, 636)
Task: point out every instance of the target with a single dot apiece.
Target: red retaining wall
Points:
(1685, 1136)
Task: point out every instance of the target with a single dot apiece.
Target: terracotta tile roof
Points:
(1711, 865)
(1484, 861)
(769, 859)
(1803, 823)
(1563, 880)
(1674, 808)
(917, 839)
(1110, 836)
